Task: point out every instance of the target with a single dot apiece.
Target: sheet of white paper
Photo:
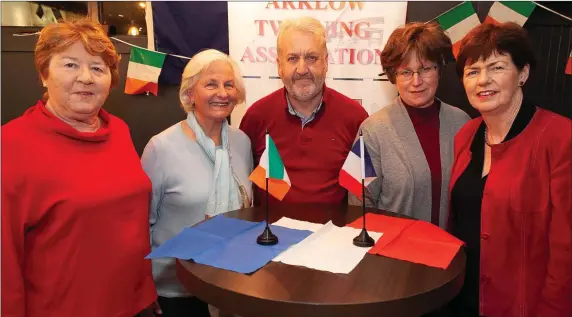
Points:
(297, 224)
(329, 249)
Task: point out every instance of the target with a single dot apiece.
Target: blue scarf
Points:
(224, 195)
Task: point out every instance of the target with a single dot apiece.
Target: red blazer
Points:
(526, 230)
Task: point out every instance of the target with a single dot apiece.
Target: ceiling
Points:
(122, 15)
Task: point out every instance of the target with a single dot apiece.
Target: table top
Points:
(378, 286)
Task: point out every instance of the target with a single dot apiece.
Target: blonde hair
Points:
(194, 69)
(304, 24)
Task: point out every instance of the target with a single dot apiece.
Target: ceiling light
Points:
(133, 31)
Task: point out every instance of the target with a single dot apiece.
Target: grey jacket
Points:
(403, 183)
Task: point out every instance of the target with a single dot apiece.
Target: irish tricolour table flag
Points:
(356, 168)
(510, 11)
(143, 71)
(458, 22)
(271, 167)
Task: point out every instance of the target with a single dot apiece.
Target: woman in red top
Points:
(510, 186)
(75, 198)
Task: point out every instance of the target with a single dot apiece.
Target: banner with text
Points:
(356, 34)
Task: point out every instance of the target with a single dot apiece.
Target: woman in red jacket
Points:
(75, 198)
(510, 186)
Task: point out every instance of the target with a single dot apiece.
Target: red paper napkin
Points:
(391, 227)
(411, 240)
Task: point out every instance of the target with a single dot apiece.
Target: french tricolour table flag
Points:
(357, 166)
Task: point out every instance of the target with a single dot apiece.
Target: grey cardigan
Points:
(403, 183)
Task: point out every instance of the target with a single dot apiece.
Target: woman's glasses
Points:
(425, 72)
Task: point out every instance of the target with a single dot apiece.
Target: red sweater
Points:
(75, 226)
(526, 219)
(313, 156)
(426, 124)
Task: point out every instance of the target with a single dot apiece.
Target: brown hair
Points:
(427, 41)
(486, 39)
(55, 38)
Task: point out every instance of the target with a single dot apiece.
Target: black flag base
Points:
(268, 238)
(363, 240)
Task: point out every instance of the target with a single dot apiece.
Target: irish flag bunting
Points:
(271, 167)
(569, 64)
(458, 22)
(143, 71)
(510, 11)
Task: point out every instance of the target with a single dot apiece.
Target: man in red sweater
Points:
(313, 126)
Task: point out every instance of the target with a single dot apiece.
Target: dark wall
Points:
(551, 35)
(21, 88)
(146, 116)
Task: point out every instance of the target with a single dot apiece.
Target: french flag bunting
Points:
(357, 166)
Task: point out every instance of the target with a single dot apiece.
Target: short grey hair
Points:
(194, 69)
(303, 24)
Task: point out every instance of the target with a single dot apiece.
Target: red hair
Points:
(427, 40)
(487, 39)
(58, 37)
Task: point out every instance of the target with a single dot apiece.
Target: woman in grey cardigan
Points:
(410, 141)
(199, 168)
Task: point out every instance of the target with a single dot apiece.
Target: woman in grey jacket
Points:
(410, 141)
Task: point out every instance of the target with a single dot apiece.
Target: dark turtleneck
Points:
(426, 124)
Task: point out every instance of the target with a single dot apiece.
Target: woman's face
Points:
(215, 93)
(492, 83)
(78, 83)
(417, 81)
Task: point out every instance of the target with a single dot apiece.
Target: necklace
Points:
(486, 140)
(513, 117)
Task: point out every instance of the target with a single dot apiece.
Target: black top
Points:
(466, 199)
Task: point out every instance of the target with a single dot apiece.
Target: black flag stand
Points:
(363, 239)
(267, 237)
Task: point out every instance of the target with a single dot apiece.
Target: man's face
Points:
(302, 64)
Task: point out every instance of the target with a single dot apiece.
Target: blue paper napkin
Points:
(225, 227)
(193, 241)
(186, 245)
(228, 243)
(243, 254)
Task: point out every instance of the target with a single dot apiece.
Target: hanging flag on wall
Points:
(458, 22)
(510, 11)
(569, 64)
(143, 71)
(185, 28)
(356, 32)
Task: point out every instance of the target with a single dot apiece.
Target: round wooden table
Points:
(378, 286)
